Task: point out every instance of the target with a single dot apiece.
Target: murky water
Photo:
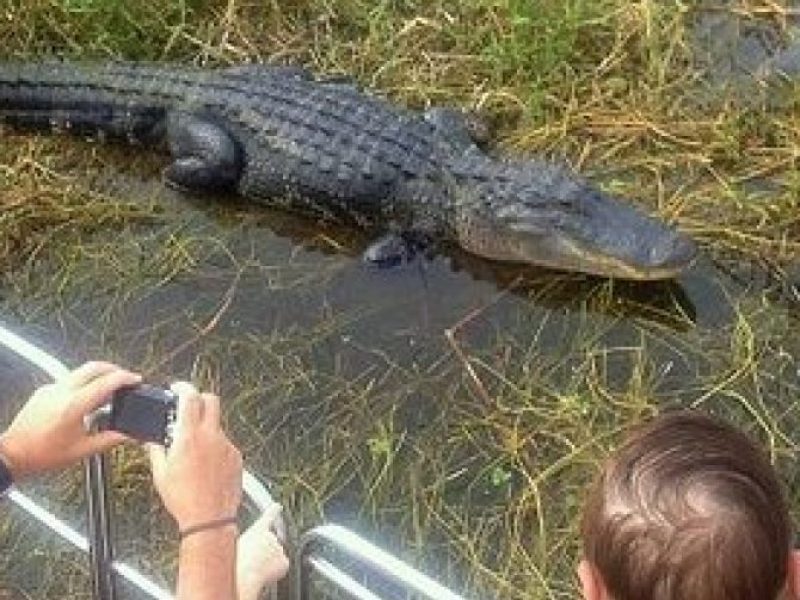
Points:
(342, 385)
(740, 47)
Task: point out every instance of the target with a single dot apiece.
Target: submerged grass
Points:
(467, 452)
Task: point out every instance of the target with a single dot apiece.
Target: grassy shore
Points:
(470, 459)
(610, 87)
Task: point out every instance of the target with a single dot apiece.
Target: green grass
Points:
(469, 452)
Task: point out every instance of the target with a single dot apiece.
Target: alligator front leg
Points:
(206, 157)
(396, 248)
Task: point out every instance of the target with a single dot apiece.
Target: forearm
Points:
(207, 565)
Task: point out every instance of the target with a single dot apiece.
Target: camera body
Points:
(144, 412)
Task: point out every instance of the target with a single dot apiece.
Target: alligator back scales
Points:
(324, 147)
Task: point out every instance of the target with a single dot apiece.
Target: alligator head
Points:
(540, 214)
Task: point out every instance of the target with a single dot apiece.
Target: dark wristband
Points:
(214, 524)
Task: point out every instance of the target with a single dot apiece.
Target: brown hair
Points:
(688, 509)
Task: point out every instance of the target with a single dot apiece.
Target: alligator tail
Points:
(119, 101)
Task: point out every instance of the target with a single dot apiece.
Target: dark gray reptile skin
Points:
(277, 135)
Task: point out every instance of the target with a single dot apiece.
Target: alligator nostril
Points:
(673, 250)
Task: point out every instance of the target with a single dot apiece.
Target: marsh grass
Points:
(609, 86)
(470, 455)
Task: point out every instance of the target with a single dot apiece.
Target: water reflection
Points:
(752, 52)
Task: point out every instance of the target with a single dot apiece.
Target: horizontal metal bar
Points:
(140, 581)
(49, 520)
(380, 561)
(340, 579)
(36, 356)
(254, 490)
(80, 542)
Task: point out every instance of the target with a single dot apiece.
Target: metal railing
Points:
(99, 542)
(368, 558)
(311, 560)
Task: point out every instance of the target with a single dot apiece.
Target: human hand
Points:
(49, 431)
(260, 557)
(199, 477)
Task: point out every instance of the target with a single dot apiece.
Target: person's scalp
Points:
(688, 508)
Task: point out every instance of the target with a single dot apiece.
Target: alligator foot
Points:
(205, 156)
(394, 249)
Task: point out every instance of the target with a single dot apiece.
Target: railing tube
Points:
(368, 555)
(101, 547)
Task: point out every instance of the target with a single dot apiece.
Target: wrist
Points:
(199, 516)
(211, 525)
(211, 536)
(207, 564)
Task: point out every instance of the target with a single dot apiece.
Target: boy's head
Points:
(687, 509)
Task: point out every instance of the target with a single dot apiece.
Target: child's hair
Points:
(688, 509)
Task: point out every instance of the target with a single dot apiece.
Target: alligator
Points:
(281, 136)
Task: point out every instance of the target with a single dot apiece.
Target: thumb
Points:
(158, 461)
(99, 391)
(105, 440)
(270, 515)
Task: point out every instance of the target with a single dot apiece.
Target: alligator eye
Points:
(531, 228)
(526, 219)
(514, 213)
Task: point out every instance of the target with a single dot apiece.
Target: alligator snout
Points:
(571, 226)
(623, 241)
(674, 251)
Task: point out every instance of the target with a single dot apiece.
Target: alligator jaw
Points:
(563, 256)
(611, 266)
(573, 228)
